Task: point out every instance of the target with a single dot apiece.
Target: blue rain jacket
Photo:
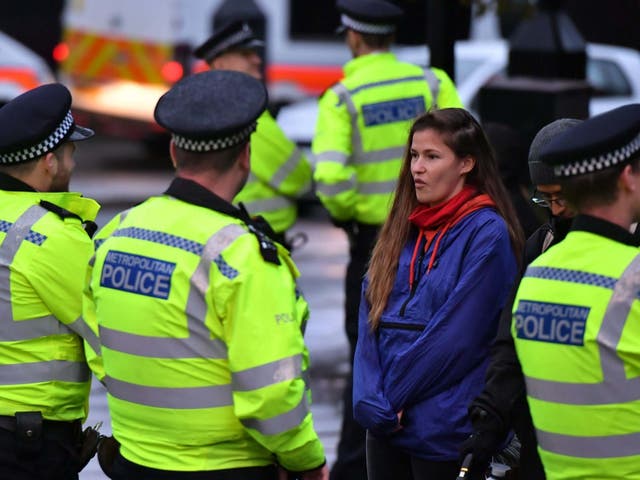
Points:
(429, 355)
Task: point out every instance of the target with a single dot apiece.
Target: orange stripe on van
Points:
(97, 57)
(312, 79)
(24, 77)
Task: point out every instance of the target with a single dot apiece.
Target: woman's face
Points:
(438, 174)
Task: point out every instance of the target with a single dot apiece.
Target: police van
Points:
(118, 57)
(21, 69)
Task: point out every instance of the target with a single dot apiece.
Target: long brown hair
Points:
(465, 137)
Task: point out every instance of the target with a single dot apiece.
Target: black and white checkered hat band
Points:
(48, 144)
(192, 145)
(237, 38)
(364, 27)
(595, 164)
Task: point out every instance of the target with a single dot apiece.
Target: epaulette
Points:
(89, 226)
(263, 231)
(268, 248)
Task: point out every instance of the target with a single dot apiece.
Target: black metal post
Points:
(545, 77)
(441, 34)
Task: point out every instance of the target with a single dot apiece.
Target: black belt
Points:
(9, 423)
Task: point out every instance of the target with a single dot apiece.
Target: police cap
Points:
(236, 34)
(212, 110)
(37, 122)
(540, 173)
(375, 17)
(606, 140)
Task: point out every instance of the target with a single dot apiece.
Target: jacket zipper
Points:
(416, 280)
(402, 326)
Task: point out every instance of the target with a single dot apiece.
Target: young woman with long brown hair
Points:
(437, 281)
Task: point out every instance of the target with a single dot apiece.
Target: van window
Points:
(314, 20)
(607, 78)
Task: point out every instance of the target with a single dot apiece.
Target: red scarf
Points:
(437, 220)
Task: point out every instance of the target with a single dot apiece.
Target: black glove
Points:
(486, 439)
(108, 449)
(87, 447)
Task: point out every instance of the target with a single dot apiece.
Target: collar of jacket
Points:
(85, 208)
(12, 184)
(364, 60)
(194, 193)
(598, 226)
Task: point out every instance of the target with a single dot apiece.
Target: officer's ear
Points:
(629, 179)
(354, 41)
(49, 164)
(244, 158)
(172, 153)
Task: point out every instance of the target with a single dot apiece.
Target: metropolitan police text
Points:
(551, 322)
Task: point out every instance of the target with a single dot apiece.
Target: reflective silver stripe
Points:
(199, 343)
(377, 187)
(332, 156)
(196, 307)
(18, 232)
(268, 205)
(166, 397)
(80, 327)
(280, 423)
(269, 374)
(377, 156)
(615, 387)
(285, 169)
(359, 155)
(356, 136)
(601, 393)
(383, 83)
(100, 241)
(624, 294)
(10, 329)
(37, 372)
(433, 82)
(161, 347)
(590, 447)
(333, 189)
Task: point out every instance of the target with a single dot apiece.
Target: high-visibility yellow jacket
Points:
(280, 174)
(362, 129)
(576, 329)
(44, 252)
(202, 338)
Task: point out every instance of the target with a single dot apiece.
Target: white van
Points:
(119, 56)
(21, 69)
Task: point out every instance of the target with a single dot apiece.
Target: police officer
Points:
(361, 131)
(44, 251)
(576, 313)
(502, 404)
(280, 171)
(200, 319)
